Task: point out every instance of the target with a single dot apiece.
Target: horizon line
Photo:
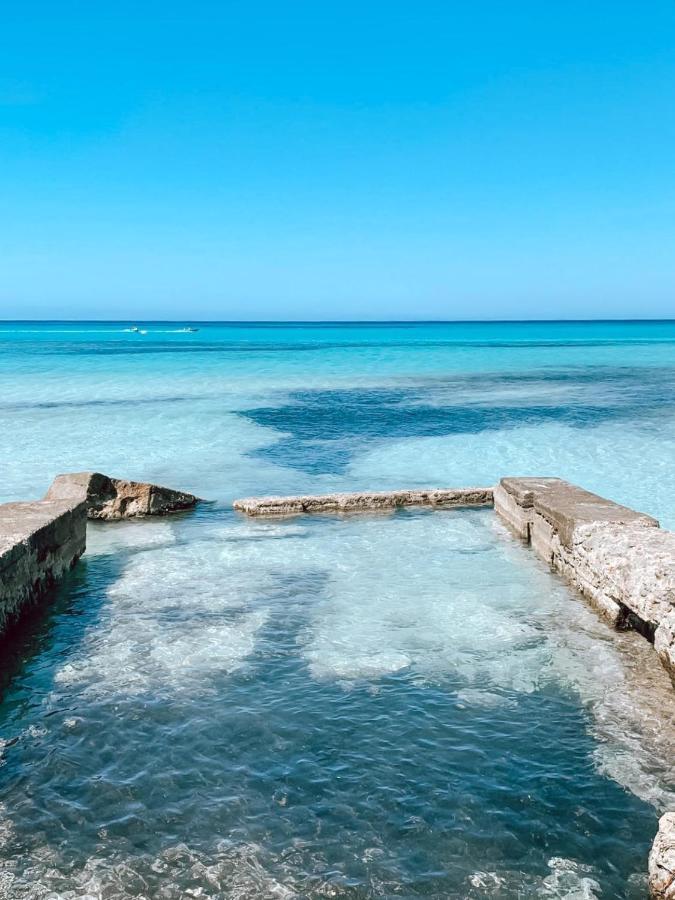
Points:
(345, 321)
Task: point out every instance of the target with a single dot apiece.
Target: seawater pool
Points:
(376, 706)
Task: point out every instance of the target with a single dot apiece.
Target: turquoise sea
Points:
(378, 706)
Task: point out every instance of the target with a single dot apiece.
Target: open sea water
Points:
(402, 705)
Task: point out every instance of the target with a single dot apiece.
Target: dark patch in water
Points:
(322, 429)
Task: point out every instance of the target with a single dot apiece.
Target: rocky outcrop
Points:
(363, 502)
(113, 498)
(616, 557)
(39, 543)
(662, 860)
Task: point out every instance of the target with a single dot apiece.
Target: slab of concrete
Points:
(363, 501)
(39, 542)
(662, 860)
(566, 507)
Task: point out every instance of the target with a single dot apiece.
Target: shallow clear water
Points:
(403, 705)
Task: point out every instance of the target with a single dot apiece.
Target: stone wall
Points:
(116, 498)
(616, 557)
(363, 502)
(39, 542)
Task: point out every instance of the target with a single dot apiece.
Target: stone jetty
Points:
(114, 498)
(619, 559)
(363, 501)
(39, 543)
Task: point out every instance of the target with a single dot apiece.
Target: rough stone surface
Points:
(524, 490)
(662, 860)
(39, 542)
(517, 516)
(566, 506)
(364, 502)
(113, 498)
(616, 557)
(563, 506)
(636, 565)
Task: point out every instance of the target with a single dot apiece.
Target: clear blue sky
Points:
(326, 160)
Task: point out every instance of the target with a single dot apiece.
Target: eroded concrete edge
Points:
(39, 542)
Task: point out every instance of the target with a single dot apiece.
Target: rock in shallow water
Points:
(114, 498)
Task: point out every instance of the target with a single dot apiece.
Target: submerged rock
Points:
(114, 498)
(662, 860)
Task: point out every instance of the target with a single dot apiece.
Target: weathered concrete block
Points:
(114, 498)
(363, 502)
(39, 542)
(566, 507)
(517, 517)
(514, 503)
(634, 563)
(619, 559)
(524, 490)
(662, 860)
(563, 505)
(541, 537)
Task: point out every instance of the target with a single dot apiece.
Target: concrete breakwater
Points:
(619, 559)
(366, 501)
(39, 543)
